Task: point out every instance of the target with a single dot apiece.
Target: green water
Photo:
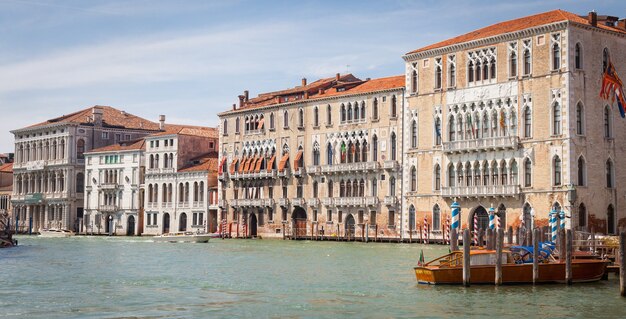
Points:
(99, 277)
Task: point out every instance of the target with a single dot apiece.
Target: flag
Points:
(613, 88)
(420, 261)
(502, 118)
(469, 122)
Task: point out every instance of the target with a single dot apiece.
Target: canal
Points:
(101, 277)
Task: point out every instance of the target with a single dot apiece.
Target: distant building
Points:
(6, 188)
(49, 180)
(6, 158)
(508, 116)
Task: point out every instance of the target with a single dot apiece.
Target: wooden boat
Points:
(448, 269)
(183, 237)
(55, 233)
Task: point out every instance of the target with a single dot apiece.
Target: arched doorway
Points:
(252, 225)
(166, 223)
(108, 223)
(299, 222)
(182, 224)
(483, 218)
(130, 226)
(350, 226)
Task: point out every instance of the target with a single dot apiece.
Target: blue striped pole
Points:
(553, 225)
(456, 210)
(562, 217)
(492, 219)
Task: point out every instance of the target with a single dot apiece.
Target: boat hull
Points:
(55, 233)
(183, 238)
(582, 271)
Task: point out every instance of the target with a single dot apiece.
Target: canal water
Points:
(101, 277)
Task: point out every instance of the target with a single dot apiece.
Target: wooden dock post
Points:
(622, 264)
(376, 234)
(593, 242)
(529, 236)
(536, 255)
(561, 236)
(499, 245)
(489, 239)
(466, 257)
(517, 234)
(454, 239)
(568, 256)
(481, 237)
(510, 235)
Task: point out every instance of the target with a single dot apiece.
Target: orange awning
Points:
(283, 162)
(261, 122)
(243, 164)
(271, 163)
(296, 161)
(258, 164)
(232, 165)
(250, 165)
(220, 168)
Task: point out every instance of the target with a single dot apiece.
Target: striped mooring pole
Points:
(447, 229)
(553, 225)
(476, 229)
(492, 218)
(425, 231)
(456, 210)
(562, 219)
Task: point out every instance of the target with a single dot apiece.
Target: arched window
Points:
(80, 183)
(610, 220)
(357, 113)
(237, 125)
(343, 151)
(451, 176)
(349, 112)
(528, 216)
(329, 115)
(437, 177)
(362, 188)
(301, 118)
(556, 119)
(316, 156)
(607, 122)
(362, 110)
(364, 152)
(329, 154)
(452, 75)
(527, 62)
(580, 115)
(412, 218)
(556, 168)
(492, 68)
(581, 171)
(437, 131)
(316, 117)
(528, 119)
(413, 179)
(556, 56)
(285, 119)
(343, 113)
(436, 218)
(393, 146)
(247, 124)
(438, 77)
(514, 173)
(348, 189)
(513, 64)
(330, 189)
(315, 194)
(556, 207)
(394, 106)
(451, 129)
(414, 81)
(477, 72)
(80, 149)
(605, 59)
(375, 109)
(392, 186)
(486, 70)
(582, 215)
(609, 173)
(374, 188)
(225, 126)
(470, 72)
(414, 134)
(375, 148)
(578, 56)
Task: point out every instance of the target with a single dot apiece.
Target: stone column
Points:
(46, 218)
(65, 217)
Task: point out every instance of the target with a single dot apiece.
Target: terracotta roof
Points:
(179, 129)
(329, 87)
(206, 162)
(517, 25)
(6, 168)
(121, 146)
(111, 117)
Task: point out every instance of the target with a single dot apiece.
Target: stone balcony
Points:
(167, 204)
(313, 202)
(248, 202)
(314, 170)
(285, 173)
(482, 144)
(168, 170)
(109, 186)
(222, 203)
(298, 201)
(223, 176)
(328, 202)
(299, 172)
(356, 201)
(481, 191)
(391, 165)
(108, 208)
(283, 202)
(390, 200)
(254, 175)
(360, 167)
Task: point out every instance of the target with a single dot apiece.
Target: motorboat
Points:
(183, 237)
(448, 269)
(55, 233)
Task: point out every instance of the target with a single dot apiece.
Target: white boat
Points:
(183, 237)
(55, 233)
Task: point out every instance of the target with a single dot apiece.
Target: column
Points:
(46, 218)
(65, 217)
(27, 217)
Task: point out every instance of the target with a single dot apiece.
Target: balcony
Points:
(314, 170)
(266, 174)
(328, 202)
(285, 173)
(482, 144)
(299, 172)
(222, 177)
(390, 201)
(481, 191)
(313, 202)
(198, 204)
(166, 205)
(167, 170)
(299, 201)
(248, 202)
(108, 186)
(283, 202)
(268, 202)
(108, 208)
(152, 205)
(183, 204)
(152, 170)
(350, 167)
(356, 201)
(391, 165)
(222, 203)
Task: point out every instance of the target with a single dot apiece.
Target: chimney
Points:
(245, 94)
(234, 106)
(161, 122)
(97, 115)
(241, 99)
(621, 24)
(592, 17)
(303, 81)
(337, 77)
(321, 91)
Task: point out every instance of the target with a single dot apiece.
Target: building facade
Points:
(6, 189)
(181, 180)
(320, 159)
(509, 117)
(49, 180)
(114, 177)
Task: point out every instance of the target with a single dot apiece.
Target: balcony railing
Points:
(198, 204)
(356, 201)
(313, 202)
(167, 205)
(298, 172)
(105, 186)
(152, 205)
(253, 175)
(328, 201)
(350, 167)
(390, 200)
(481, 191)
(285, 173)
(153, 170)
(283, 202)
(391, 164)
(222, 203)
(167, 170)
(183, 204)
(222, 177)
(108, 208)
(489, 143)
(299, 201)
(313, 170)
(268, 202)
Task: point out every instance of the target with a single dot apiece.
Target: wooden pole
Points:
(529, 236)
(466, 258)
(622, 264)
(376, 234)
(481, 237)
(593, 242)
(568, 256)
(499, 245)
(454, 239)
(536, 256)
(517, 234)
(489, 239)
(284, 235)
(510, 234)
(562, 245)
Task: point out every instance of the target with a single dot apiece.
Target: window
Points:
(436, 218)
(373, 217)
(392, 186)
(301, 118)
(609, 173)
(375, 109)
(315, 191)
(605, 59)
(343, 113)
(527, 122)
(375, 148)
(105, 135)
(362, 110)
(556, 52)
(527, 57)
(437, 131)
(80, 149)
(470, 72)
(329, 115)
(556, 119)
(582, 215)
(451, 71)
(451, 176)
(607, 122)
(414, 82)
(437, 177)
(374, 188)
(579, 118)
(413, 179)
(225, 129)
(394, 106)
(492, 68)
(527, 173)
(391, 219)
(578, 57)
(272, 125)
(581, 171)
(412, 218)
(316, 117)
(451, 130)
(340, 216)
(610, 220)
(414, 134)
(329, 215)
(438, 73)
(556, 167)
(513, 62)
(237, 120)
(80, 183)
(393, 146)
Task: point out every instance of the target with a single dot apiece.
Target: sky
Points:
(190, 59)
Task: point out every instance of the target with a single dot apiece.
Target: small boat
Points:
(55, 233)
(183, 237)
(448, 269)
